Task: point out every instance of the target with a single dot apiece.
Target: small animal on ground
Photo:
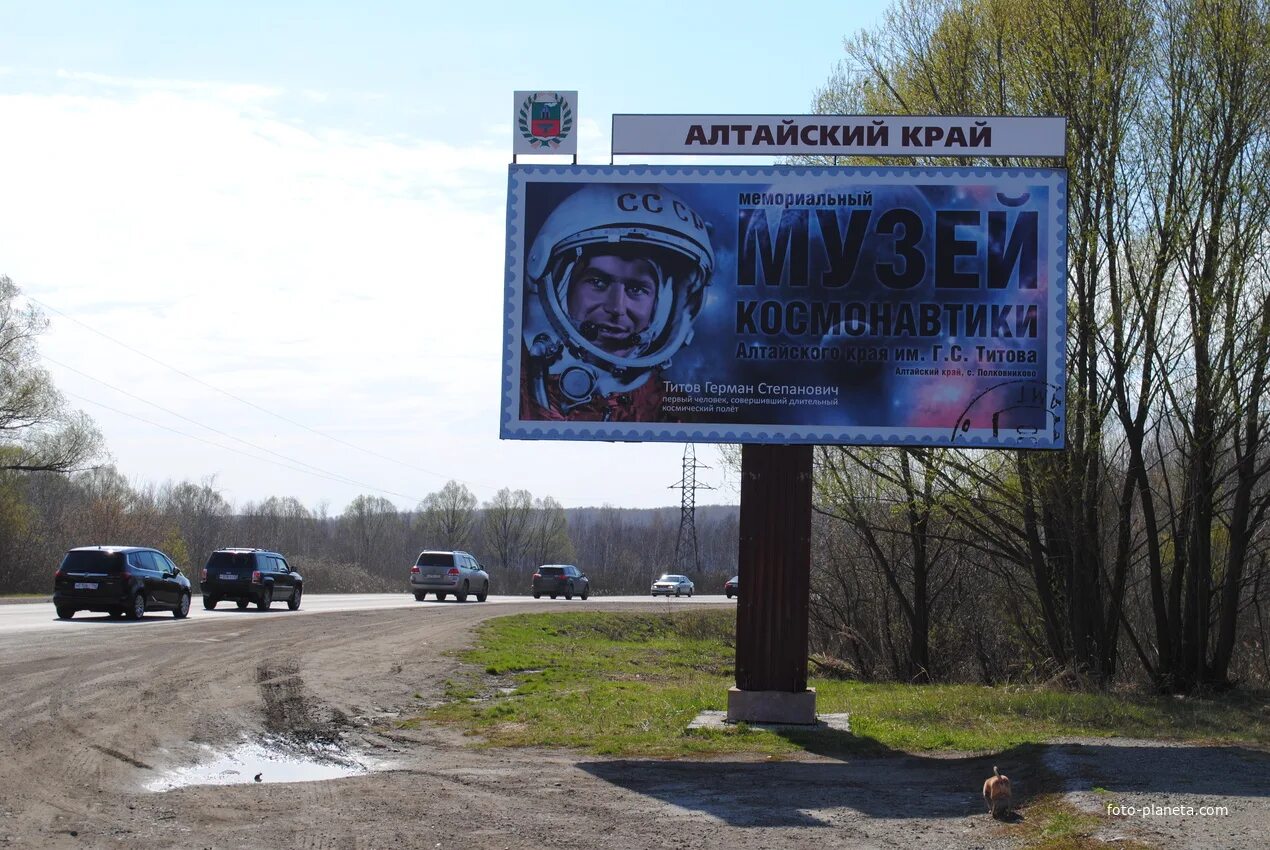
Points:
(996, 793)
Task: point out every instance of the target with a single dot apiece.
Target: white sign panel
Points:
(840, 135)
(545, 122)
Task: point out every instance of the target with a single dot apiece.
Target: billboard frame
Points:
(1047, 395)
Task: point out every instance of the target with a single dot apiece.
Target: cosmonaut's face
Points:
(611, 300)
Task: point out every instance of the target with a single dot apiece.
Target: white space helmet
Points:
(632, 220)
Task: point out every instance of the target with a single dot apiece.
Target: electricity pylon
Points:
(688, 486)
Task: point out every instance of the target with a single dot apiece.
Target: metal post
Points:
(774, 571)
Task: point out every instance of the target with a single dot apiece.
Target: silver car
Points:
(675, 585)
(446, 573)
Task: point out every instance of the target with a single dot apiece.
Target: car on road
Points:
(730, 587)
(448, 572)
(123, 581)
(560, 580)
(250, 576)
(675, 585)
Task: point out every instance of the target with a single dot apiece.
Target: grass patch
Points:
(1052, 824)
(608, 683)
(976, 718)
(629, 684)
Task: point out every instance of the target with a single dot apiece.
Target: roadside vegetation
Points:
(630, 684)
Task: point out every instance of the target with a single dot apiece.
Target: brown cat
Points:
(996, 793)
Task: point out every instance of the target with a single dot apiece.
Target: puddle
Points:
(272, 761)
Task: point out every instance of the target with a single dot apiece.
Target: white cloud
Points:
(227, 92)
(350, 282)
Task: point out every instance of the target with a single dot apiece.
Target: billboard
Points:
(887, 306)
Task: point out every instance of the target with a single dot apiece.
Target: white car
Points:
(675, 585)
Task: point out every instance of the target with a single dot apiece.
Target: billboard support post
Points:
(774, 569)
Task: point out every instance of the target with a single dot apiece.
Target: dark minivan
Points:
(121, 581)
(250, 575)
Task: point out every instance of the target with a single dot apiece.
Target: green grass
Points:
(629, 684)
(1052, 824)
(976, 718)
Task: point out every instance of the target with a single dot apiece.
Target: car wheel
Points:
(586, 591)
(293, 603)
(64, 613)
(182, 609)
(440, 596)
(484, 594)
(728, 594)
(242, 604)
(116, 613)
(568, 594)
(419, 597)
(266, 599)
(461, 596)
(537, 596)
(676, 591)
(138, 608)
(553, 596)
(209, 602)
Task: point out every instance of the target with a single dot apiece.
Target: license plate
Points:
(432, 576)
(229, 576)
(85, 585)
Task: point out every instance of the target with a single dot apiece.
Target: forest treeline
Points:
(368, 547)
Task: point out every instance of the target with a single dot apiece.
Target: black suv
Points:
(120, 580)
(560, 580)
(250, 575)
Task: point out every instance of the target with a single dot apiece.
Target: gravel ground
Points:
(94, 715)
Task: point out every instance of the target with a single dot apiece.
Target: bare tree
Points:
(447, 518)
(375, 534)
(37, 430)
(199, 512)
(548, 533)
(505, 526)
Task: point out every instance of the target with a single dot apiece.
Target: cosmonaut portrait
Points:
(614, 279)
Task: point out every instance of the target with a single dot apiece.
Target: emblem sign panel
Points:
(545, 122)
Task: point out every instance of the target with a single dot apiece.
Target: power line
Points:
(194, 421)
(339, 479)
(241, 400)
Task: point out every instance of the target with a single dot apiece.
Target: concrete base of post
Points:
(797, 707)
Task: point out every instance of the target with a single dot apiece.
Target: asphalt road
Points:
(34, 616)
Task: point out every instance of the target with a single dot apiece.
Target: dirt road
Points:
(92, 715)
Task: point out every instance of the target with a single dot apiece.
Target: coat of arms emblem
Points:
(546, 120)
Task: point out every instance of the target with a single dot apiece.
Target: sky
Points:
(269, 237)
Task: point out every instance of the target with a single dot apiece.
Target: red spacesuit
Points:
(642, 404)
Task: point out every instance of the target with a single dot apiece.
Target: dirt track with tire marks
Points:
(91, 715)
